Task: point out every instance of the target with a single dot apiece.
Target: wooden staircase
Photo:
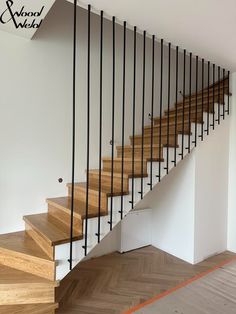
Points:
(29, 259)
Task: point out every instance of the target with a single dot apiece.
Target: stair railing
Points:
(167, 72)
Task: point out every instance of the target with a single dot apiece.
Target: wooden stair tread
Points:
(140, 146)
(28, 308)
(13, 276)
(21, 242)
(157, 135)
(125, 174)
(104, 189)
(165, 124)
(107, 173)
(125, 159)
(51, 229)
(172, 111)
(79, 207)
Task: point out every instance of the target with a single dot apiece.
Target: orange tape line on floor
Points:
(181, 285)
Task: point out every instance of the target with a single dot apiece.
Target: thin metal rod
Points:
(202, 132)
(190, 103)
(176, 101)
(113, 115)
(223, 115)
(183, 107)
(73, 135)
(160, 118)
(143, 108)
(100, 126)
(134, 104)
(123, 123)
(219, 100)
(208, 97)
(228, 93)
(213, 122)
(88, 132)
(152, 105)
(196, 104)
(168, 110)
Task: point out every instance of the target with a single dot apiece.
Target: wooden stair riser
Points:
(80, 193)
(29, 264)
(147, 140)
(128, 152)
(193, 105)
(180, 118)
(11, 294)
(187, 111)
(192, 111)
(64, 216)
(41, 241)
(211, 94)
(211, 97)
(106, 181)
(156, 129)
(107, 166)
(29, 309)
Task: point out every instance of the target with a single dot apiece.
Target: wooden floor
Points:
(112, 284)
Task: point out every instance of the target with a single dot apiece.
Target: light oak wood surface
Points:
(18, 287)
(50, 229)
(114, 283)
(18, 250)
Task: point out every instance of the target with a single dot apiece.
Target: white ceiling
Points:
(205, 27)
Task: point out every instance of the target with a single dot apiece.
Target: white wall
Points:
(183, 22)
(172, 204)
(232, 170)
(211, 193)
(35, 121)
(111, 243)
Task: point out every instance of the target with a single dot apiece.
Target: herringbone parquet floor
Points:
(112, 284)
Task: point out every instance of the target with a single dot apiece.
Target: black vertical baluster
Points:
(143, 108)
(123, 124)
(203, 64)
(176, 101)
(219, 100)
(134, 104)
(196, 103)
(213, 123)
(168, 109)
(152, 104)
(113, 116)
(100, 128)
(183, 107)
(228, 93)
(208, 97)
(160, 118)
(190, 102)
(223, 115)
(73, 136)
(88, 133)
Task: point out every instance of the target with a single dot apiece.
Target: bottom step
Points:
(29, 309)
(18, 287)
